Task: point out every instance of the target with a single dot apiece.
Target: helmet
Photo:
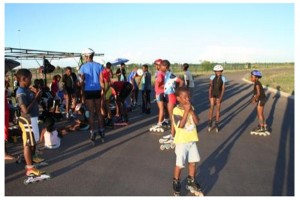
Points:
(158, 61)
(87, 52)
(139, 72)
(218, 68)
(256, 73)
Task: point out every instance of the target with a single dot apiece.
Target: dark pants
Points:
(146, 99)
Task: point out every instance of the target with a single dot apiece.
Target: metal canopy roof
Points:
(32, 54)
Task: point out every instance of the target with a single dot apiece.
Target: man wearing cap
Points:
(92, 86)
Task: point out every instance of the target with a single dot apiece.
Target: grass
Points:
(274, 75)
(278, 78)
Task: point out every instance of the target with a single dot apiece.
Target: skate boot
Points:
(165, 138)
(209, 125)
(31, 171)
(217, 126)
(157, 128)
(193, 187)
(92, 136)
(166, 124)
(35, 175)
(258, 131)
(101, 134)
(176, 187)
(267, 132)
(167, 144)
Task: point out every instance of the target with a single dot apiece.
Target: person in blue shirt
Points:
(92, 85)
(171, 81)
(135, 89)
(28, 97)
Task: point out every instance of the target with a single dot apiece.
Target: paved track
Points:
(130, 163)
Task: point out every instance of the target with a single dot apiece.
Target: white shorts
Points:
(186, 151)
(35, 128)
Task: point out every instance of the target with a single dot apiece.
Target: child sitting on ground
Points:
(50, 135)
(80, 118)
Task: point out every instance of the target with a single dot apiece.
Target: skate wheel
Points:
(162, 147)
(161, 140)
(26, 181)
(168, 147)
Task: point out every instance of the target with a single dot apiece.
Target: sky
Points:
(192, 33)
(179, 32)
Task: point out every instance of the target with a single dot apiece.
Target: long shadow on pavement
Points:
(208, 171)
(286, 156)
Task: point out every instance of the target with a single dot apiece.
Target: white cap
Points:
(87, 51)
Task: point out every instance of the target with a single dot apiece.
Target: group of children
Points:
(170, 93)
(169, 89)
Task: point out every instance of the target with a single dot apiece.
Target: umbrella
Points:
(10, 64)
(118, 61)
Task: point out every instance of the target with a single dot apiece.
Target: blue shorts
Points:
(186, 152)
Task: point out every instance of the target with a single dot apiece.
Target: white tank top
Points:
(52, 140)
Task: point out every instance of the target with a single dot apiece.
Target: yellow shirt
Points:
(186, 134)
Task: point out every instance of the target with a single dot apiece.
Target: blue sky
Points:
(144, 32)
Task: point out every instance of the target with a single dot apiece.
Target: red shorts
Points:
(171, 98)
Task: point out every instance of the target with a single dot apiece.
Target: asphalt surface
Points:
(130, 162)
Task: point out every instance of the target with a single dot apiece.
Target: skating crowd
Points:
(94, 95)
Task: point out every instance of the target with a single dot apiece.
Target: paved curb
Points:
(273, 90)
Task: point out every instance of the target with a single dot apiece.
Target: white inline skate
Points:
(33, 178)
(194, 187)
(157, 128)
(260, 131)
(166, 142)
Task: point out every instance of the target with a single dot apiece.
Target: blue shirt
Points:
(131, 78)
(170, 80)
(213, 76)
(91, 72)
(26, 96)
